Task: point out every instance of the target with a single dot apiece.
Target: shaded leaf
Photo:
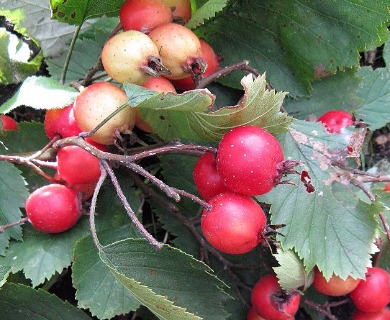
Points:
(77, 11)
(15, 63)
(91, 41)
(334, 92)
(21, 302)
(188, 115)
(375, 94)
(41, 255)
(294, 41)
(34, 18)
(208, 10)
(13, 193)
(334, 233)
(40, 93)
(169, 282)
(290, 272)
(97, 288)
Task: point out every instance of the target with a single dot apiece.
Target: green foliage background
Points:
(309, 51)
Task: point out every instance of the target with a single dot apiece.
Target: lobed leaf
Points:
(188, 115)
(290, 272)
(169, 282)
(375, 94)
(77, 11)
(13, 194)
(20, 302)
(97, 288)
(334, 232)
(16, 60)
(294, 41)
(34, 18)
(91, 41)
(208, 10)
(41, 255)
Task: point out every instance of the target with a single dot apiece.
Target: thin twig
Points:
(92, 210)
(12, 224)
(128, 209)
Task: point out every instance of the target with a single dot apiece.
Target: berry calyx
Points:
(234, 224)
(212, 61)
(144, 15)
(250, 160)
(179, 49)
(270, 301)
(53, 208)
(131, 56)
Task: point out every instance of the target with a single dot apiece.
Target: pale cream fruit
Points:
(179, 49)
(131, 56)
(95, 103)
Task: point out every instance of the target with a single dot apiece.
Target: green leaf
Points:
(336, 233)
(97, 288)
(41, 255)
(77, 11)
(13, 194)
(91, 41)
(40, 93)
(15, 63)
(334, 92)
(294, 41)
(290, 272)
(21, 302)
(206, 11)
(34, 18)
(375, 94)
(187, 116)
(30, 137)
(172, 284)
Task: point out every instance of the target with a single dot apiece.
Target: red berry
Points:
(386, 188)
(270, 301)
(373, 293)
(179, 49)
(77, 166)
(144, 15)
(212, 61)
(383, 314)
(207, 179)
(53, 208)
(8, 123)
(335, 286)
(248, 159)
(253, 315)
(61, 122)
(336, 120)
(234, 224)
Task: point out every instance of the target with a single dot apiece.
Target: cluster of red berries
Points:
(249, 161)
(152, 50)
